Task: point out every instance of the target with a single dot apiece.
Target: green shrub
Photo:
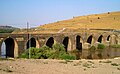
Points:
(24, 55)
(34, 53)
(45, 52)
(57, 52)
(115, 46)
(101, 46)
(67, 57)
(59, 47)
(6, 30)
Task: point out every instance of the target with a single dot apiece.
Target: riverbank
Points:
(50, 66)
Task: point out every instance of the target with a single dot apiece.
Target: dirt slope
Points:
(110, 20)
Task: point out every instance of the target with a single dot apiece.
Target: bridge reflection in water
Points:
(3, 50)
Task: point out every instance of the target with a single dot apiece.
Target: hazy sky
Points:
(37, 12)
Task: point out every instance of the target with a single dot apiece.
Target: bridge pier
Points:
(113, 40)
(118, 39)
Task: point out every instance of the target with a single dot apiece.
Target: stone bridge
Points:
(18, 43)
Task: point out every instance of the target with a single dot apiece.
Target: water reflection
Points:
(3, 50)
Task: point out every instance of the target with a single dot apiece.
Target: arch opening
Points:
(78, 43)
(108, 38)
(50, 42)
(31, 43)
(7, 48)
(65, 43)
(89, 40)
(100, 39)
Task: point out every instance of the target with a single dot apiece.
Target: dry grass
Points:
(109, 20)
(105, 21)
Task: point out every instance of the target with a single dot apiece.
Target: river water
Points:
(3, 50)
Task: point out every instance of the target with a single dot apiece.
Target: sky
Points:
(17, 13)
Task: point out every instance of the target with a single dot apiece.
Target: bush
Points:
(115, 46)
(108, 12)
(57, 52)
(45, 52)
(24, 55)
(101, 46)
(98, 17)
(6, 30)
(67, 57)
(60, 53)
(59, 47)
(33, 53)
(36, 53)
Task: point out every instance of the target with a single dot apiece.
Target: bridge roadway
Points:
(18, 43)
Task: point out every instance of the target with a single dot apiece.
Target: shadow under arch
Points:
(108, 38)
(67, 44)
(32, 43)
(10, 48)
(79, 43)
(100, 38)
(90, 39)
(50, 42)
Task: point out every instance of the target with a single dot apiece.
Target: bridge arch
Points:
(9, 48)
(50, 42)
(108, 38)
(90, 39)
(32, 42)
(100, 39)
(67, 43)
(79, 42)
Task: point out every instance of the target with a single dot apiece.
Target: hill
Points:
(104, 21)
(7, 29)
(110, 20)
